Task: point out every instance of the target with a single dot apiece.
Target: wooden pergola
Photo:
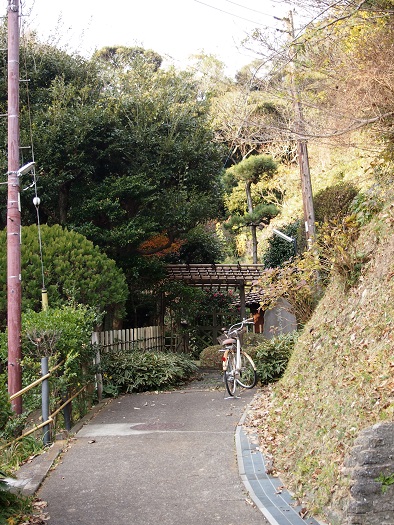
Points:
(218, 276)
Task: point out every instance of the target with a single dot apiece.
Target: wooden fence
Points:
(145, 338)
(152, 338)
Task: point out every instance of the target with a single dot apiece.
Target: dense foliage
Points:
(64, 336)
(211, 357)
(136, 371)
(279, 250)
(124, 153)
(334, 201)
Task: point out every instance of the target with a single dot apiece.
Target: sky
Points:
(175, 29)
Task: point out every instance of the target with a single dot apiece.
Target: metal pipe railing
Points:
(36, 382)
(48, 419)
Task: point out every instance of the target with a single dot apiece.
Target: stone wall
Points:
(370, 503)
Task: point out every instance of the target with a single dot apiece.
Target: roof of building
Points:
(223, 276)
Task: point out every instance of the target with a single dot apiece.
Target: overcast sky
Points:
(174, 28)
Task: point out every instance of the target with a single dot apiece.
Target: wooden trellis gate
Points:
(237, 277)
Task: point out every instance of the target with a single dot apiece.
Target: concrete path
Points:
(155, 459)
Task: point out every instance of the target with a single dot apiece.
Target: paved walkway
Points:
(177, 458)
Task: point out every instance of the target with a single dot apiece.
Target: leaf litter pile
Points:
(38, 516)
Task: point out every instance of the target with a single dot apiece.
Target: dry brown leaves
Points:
(258, 424)
(39, 516)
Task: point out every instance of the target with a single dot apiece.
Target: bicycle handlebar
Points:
(238, 327)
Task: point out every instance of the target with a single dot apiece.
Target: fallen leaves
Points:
(340, 379)
(38, 516)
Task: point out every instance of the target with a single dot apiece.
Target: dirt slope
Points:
(340, 378)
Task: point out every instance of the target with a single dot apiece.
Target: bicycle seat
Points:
(229, 342)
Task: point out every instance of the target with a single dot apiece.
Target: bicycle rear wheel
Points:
(247, 377)
(229, 374)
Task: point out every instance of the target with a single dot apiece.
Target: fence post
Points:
(67, 414)
(97, 359)
(45, 401)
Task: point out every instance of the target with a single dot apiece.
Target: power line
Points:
(234, 15)
(249, 8)
(36, 200)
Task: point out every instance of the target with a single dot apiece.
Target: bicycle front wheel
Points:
(230, 373)
(247, 377)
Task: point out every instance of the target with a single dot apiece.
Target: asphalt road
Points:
(155, 459)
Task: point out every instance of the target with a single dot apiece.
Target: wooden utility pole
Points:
(13, 212)
(302, 146)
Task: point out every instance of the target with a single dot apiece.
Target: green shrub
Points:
(272, 356)
(368, 204)
(252, 340)
(64, 334)
(13, 507)
(18, 452)
(5, 405)
(135, 371)
(334, 202)
(74, 268)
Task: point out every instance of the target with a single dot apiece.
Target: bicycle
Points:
(238, 366)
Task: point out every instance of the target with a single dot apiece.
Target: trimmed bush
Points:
(211, 357)
(134, 371)
(252, 340)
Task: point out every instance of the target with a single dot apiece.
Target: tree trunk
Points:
(63, 202)
(253, 228)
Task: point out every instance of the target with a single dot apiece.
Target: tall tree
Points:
(124, 150)
(250, 171)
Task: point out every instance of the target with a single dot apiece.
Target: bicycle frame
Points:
(233, 370)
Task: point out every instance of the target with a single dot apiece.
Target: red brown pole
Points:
(13, 212)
